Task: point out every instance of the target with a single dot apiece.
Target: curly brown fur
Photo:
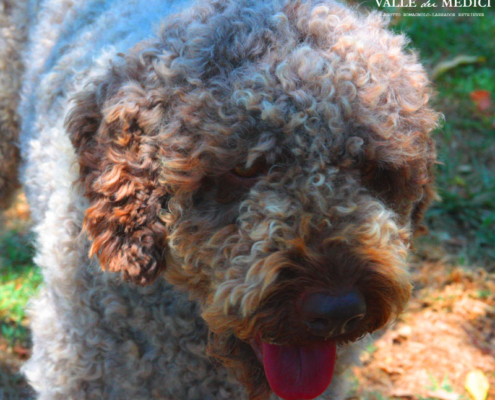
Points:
(334, 107)
(120, 170)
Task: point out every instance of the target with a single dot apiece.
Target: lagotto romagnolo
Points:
(223, 192)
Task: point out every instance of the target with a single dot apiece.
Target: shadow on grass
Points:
(19, 280)
(13, 386)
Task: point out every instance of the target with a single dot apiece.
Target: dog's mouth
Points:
(297, 372)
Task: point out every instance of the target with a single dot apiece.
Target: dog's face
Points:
(274, 161)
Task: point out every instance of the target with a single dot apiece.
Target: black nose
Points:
(328, 315)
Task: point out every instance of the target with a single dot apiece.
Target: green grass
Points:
(466, 175)
(464, 220)
(19, 280)
(444, 386)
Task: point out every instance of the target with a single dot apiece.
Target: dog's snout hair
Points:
(287, 241)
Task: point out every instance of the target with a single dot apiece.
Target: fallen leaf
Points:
(436, 394)
(443, 395)
(402, 394)
(465, 168)
(445, 66)
(22, 351)
(459, 181)
(405, 331)
(477, 385)
(482, 99)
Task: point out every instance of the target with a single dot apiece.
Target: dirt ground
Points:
(447, 332)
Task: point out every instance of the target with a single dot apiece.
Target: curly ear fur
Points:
(111, 127)
(419, 210)
(409, 190)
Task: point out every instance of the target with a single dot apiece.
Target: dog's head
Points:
(273, 159)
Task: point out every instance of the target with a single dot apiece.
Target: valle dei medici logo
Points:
(434, 4)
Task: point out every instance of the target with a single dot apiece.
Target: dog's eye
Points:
(254, 171)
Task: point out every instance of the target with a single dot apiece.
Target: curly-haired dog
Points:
(254, 171)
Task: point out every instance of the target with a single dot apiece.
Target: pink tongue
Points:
(299, 372)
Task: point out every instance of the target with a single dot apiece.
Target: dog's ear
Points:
(429, 194)
(113, 129)
(423, 173)
(408, 189)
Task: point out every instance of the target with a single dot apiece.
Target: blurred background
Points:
(443, 347)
